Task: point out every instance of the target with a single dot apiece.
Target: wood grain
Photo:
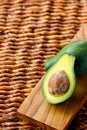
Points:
(37, 110)
(81, 34)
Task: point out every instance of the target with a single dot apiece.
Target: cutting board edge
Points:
(34, 122)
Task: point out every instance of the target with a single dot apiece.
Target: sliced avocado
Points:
(54, 89)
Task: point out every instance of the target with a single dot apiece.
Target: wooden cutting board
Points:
(37, 110)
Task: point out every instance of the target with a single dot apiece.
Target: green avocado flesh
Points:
(77, 49)
(65, 63)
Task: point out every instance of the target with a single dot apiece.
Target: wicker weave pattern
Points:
(31, 32)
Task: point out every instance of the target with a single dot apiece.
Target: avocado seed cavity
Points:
(58, 83)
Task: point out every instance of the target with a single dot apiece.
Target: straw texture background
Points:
(31, 31)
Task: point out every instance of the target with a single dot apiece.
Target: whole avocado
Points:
(79, 50)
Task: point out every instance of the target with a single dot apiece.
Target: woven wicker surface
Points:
(30, 33)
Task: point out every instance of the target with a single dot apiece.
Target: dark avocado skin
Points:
(77, 49)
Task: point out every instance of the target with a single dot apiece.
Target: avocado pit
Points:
(58, 83)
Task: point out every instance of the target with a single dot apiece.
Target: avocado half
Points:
(65, 63)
